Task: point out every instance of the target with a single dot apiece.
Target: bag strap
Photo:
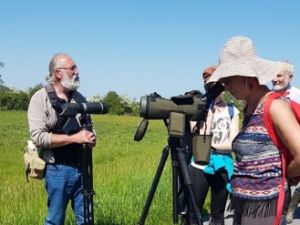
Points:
(76, 96)
(57, 103)
(272, 133)
(230, 111)
(54, 100)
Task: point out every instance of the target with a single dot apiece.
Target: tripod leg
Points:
(87, 182)
(188, 182)
(175, 188)
(155, 181)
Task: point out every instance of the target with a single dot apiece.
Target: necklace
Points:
(248, 112)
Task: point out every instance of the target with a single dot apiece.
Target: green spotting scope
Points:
(155, 107)
(194, 108)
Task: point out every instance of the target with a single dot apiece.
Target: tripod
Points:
(179, 169)
(87, 175)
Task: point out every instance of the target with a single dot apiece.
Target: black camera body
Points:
(71, 109)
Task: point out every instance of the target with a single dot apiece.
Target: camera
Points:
(71, 109)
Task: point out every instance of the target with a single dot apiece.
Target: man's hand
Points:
(81, 137)
(85, 137)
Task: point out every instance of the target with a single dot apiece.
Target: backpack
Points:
(286, 157)
(34, 165)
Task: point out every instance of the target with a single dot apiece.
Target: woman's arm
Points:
(288, 130)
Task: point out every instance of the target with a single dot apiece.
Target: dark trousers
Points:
(287, 200)
(201, 183)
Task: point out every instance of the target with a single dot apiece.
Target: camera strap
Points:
(56, 101)
(57, 104)
(65, 125)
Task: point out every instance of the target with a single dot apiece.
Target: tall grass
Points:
(123, 173)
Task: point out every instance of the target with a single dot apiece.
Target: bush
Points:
(14, 100)
(114, 103)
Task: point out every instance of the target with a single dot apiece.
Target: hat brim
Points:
(267, 70)
(264, 70)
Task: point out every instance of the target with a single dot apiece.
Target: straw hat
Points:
(239, 58)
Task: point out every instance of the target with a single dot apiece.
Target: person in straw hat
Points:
(256, 183)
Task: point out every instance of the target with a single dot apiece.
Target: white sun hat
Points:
(239, 58)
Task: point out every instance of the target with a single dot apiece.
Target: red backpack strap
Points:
(296, 109)
(268, 119)
(272, 133)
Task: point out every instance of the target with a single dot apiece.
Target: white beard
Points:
(69, 83)
(280, 88)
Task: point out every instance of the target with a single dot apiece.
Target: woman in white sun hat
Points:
(258, 178)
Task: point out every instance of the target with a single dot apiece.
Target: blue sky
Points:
(138, 47)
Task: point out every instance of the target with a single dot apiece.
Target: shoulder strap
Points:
(296, 109)
(78, 97)
(230, 110)
(51, 93)
(268, 120)
(271, 131)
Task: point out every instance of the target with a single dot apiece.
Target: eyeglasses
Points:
(72, 68)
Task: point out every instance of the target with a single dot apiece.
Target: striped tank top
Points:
(257, 169)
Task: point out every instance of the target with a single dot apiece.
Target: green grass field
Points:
(123, 172)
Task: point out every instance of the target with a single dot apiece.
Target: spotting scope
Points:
(195, 108)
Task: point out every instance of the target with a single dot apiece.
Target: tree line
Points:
(12, 99)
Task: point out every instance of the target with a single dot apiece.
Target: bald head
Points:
(282, 81)
(63, 72)
(58, 60)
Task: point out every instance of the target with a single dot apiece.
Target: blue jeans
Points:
(63, 183)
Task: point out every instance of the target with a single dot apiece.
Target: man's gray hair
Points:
(288, 67)
(54, 63)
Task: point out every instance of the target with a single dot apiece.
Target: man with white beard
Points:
(282, 84)
(61, 139)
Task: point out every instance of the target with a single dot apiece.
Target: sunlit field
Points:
(123, 172)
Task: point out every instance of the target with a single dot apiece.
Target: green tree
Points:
(95, 98)
(114, 103)
(135, 108)
(2, 87)
(14, 100)
(1, 81)
(34, 89)
(231, 100)
(237, 103)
